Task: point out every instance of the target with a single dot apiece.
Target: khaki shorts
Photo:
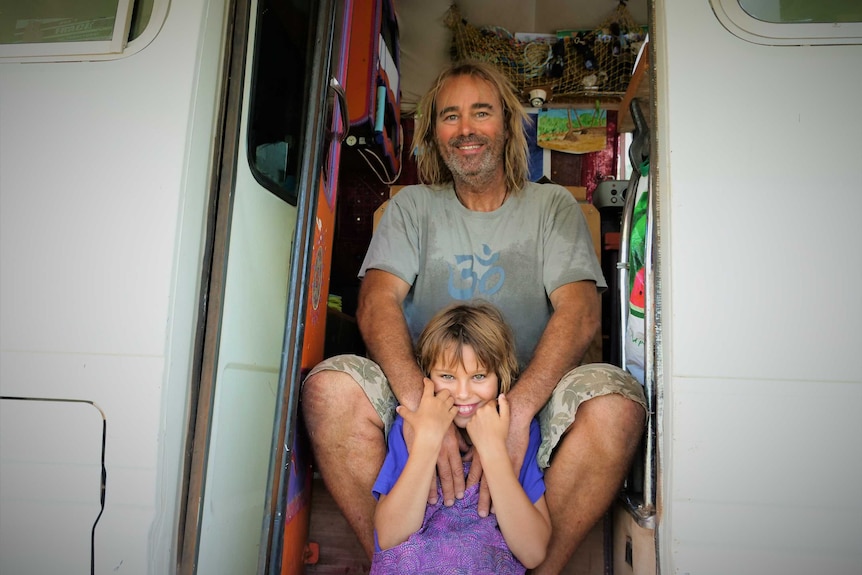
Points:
(579, 385)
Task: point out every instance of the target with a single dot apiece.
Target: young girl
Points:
(467, 354)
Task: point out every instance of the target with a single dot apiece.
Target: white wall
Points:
(759, 158)
(103, 184)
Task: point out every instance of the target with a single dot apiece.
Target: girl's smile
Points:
(470, 384)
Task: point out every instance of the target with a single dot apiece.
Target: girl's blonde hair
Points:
(429, 163)
(477, 324)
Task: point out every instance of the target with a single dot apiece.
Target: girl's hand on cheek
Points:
(490, 425)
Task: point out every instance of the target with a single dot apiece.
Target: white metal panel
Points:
(103, 188)
(764, 195)
(759, 160)
(769, 498)
(48, 472)
(262, 228)
(237, 469)
(89, 202)
(128, 399)
(93, 165)
(253, 319)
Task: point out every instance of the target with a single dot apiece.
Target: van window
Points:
(279, 84)
(794, 11)
(141, 13)
(792, 22)
(39, 28)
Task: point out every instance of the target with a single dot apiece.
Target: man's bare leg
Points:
(587, 471)
(347, 439)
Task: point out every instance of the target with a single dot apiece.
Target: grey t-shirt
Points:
(513, 257)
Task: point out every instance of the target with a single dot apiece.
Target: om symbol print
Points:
(476, 275)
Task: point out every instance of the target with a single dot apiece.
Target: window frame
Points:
(89, 50)
(740, 23)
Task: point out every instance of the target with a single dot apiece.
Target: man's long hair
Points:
(432, 169)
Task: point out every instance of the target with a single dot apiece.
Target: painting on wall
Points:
(574, 131)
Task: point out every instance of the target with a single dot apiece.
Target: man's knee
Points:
(610, 391)
(331, 391)
(327, 382)
(614, 416)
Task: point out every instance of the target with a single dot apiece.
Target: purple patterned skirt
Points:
(452, 541)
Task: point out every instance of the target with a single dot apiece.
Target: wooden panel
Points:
(595, 224)
(639, 87)
(340, 551)
(580, 192)
(634, 546)
(566, 168)
(589, 558)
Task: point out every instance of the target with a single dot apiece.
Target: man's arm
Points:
(571, 329)
(381, 321)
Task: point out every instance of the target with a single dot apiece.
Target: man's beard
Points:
(478, 168)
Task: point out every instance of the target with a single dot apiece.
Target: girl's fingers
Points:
(429, 387)
(503, 403)
(503, 407)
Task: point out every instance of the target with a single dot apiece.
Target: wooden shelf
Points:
(639, 87)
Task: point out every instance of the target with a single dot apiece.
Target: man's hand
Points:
(450, 470)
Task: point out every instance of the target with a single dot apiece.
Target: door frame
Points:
(214, 269)
(290, 374)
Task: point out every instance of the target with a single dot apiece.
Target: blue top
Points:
(532, 478)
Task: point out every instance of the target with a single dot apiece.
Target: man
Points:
(479, 230)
